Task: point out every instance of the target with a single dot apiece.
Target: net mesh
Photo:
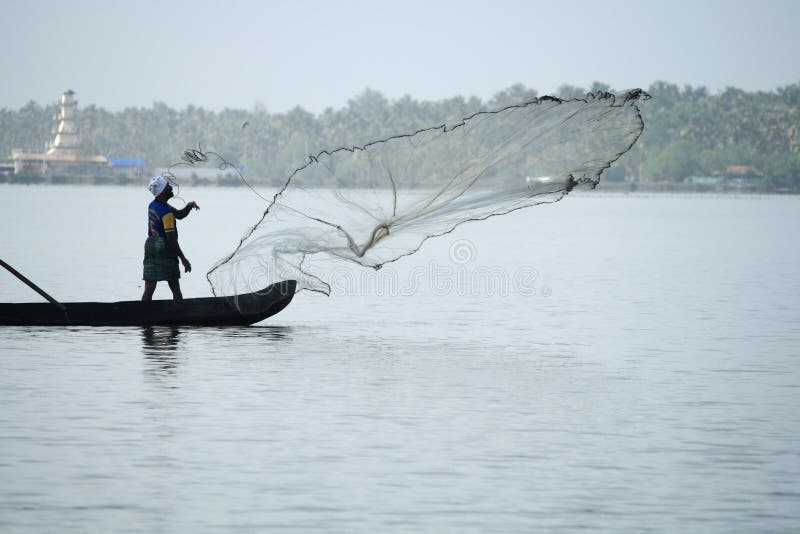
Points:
(382, 200)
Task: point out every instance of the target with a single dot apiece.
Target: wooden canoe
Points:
(240, 310)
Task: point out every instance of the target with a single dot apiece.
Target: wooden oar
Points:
(34, 286)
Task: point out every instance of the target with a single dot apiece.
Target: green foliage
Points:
(676, 162)
(688, 132)
(781, 170)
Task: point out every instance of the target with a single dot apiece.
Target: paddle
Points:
(34, 286)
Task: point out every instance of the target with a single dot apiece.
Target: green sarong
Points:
(160, 260)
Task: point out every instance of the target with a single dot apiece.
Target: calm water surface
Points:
(613, 363)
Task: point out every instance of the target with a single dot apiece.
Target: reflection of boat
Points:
(208, 311)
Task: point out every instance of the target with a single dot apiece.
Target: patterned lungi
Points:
(160, 260)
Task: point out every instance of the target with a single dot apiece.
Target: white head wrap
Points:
(157, 185)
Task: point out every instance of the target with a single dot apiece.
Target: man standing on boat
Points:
(161, 250)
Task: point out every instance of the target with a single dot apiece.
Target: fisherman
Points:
(161, 250)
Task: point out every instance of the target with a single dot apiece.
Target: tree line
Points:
(688, 131)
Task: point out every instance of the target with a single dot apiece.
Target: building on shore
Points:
(65, 153)
(740, 176)
(132, 167)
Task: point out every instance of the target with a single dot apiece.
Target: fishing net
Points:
(382, 200)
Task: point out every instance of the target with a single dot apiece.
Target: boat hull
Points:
(240, 310)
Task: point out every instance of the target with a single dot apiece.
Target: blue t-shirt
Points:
(161, 219)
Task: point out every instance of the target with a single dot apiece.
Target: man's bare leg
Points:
(175, 286)
(149, 289)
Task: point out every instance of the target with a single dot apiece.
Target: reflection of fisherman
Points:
(161, 250)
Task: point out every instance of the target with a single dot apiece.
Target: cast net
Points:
(382, 200)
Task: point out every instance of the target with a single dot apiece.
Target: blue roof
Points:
(127, 162)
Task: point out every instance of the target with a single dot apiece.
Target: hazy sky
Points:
(319, 54)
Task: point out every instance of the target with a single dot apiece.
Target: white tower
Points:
(64, 154)
(67, 142)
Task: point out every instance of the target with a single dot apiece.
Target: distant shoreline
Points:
(672, 187)
(603, 187)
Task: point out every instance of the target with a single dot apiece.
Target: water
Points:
(615, 363)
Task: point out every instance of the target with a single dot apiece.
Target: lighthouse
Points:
(65, 153)
(66, 143)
